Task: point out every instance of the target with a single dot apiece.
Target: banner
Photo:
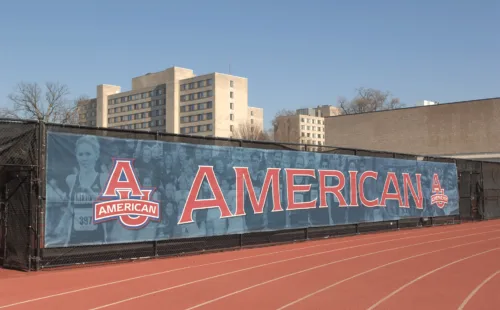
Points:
(108, 190)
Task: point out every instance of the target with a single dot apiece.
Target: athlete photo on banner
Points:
(104, 190)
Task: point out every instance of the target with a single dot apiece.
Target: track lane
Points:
(76, 278)
(204, 289)
(485, 294)
(51, 284)
(294, 284)
(448, 286)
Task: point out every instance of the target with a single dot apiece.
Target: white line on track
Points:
(377, 268)
(474, 291)
(238, 259)
(427, 274)
(273, 263)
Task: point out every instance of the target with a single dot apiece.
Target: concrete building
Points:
(425, 103)
(468, 130)
(320, 111)
(306, 126)
(177, 101)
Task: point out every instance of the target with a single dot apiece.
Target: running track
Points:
(447, 267)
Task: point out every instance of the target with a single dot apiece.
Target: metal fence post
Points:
(40, 209)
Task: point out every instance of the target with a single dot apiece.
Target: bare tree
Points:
(369, 100)
(282, 112)
(49, 104)
(282, 129)
(249, 131)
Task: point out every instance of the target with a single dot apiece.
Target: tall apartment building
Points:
(307, 125)
(177, 101)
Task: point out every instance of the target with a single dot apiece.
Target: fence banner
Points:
(109, 190)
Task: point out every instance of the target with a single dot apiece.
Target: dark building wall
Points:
(453, 128)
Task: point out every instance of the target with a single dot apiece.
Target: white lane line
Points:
(232, 260)
(474, 291)
(427, 274)
(377, 268)
(269, 264)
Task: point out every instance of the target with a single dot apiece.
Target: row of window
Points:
(195, 129)
(197, 106)
(144, 125)
(137, 106)
(153, 93)
(197, 118)
(319, 136)
(196, 96)
(131, 117)
(303, 127)
(198, 84)
(87, 115)
(311, 121)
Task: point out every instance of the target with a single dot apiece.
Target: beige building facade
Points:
(306, 126)
(177, 101)
(468, 130)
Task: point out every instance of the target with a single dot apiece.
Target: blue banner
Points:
(103, 190)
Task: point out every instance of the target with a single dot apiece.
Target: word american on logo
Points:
(123, 198)
(439, 198)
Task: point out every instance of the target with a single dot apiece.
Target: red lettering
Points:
(243, 178)
(353, 178)
(417, 196)
(386, 195)
(130, 183)
(335, 190)
(192, 201)
(365, 175)
(292, 188)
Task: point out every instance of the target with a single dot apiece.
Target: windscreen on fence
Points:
(491, 190)
(112, 190)
(18, 199)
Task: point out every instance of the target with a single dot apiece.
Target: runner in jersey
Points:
(85, 187)
(83, 230)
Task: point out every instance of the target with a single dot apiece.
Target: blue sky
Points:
(294, 53)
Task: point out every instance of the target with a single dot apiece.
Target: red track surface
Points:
(452, 267)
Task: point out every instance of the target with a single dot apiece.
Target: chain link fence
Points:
(24, 179)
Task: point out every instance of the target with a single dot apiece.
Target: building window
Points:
(231, 94)
(302, 120)
(231, 127)
(209, 82)
(231, 84)
(251, 121)
(231, 106)
(231, 117)
(251, 113)
(209, 115)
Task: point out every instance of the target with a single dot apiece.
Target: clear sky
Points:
(294, 53)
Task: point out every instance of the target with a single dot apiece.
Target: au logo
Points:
(124, 199)
(439, 198)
